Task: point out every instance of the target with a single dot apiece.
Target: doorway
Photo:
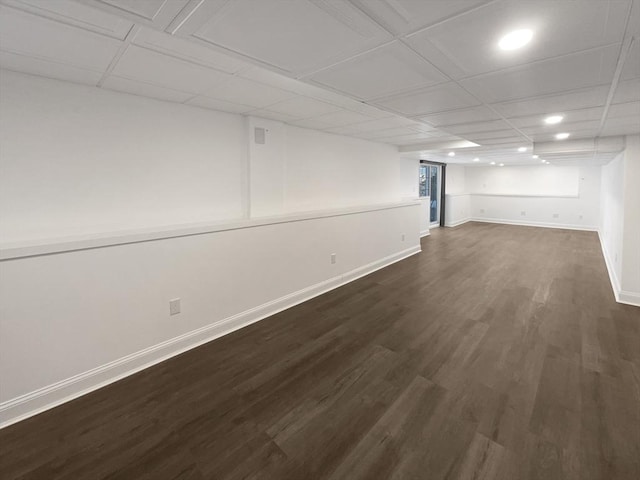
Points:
(431, 186)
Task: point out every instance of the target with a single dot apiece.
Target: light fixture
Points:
(562, 136)
(522, 149)
(535, 157)
(476, 159)
(502, 164)
(544, 161)
(553, 119)
(492, 163)
(452, 154)
(516, 39)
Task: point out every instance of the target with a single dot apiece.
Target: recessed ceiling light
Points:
(516, 39)
(535, 157)
(476, 159)
(492, 163)
(502, 164)
(522, 149)
(452, 154)
(553, 119)
(562, 136)
(544, 161)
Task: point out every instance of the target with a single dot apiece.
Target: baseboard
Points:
(30, 404)
(459, 222)
(629, 298)
(425, 233)
(561, 226)
(621, 296)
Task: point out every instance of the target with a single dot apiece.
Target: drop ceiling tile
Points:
(548, 104)
(381, 72)
(158, 13)
(193, 52)
(470, 42)
(310, 35)
(303, 107)
(510, 140)
(611, 130)
(311, 123)
(47, 68)
(477, 127)
(506, 132)
(35, 36)
(624, 110)
(570, 116)
(627, 91)
(584, 69)
(247, 92)
(623, 123)
(219, 105)
(631, 67)
(76, 14)
(563, 127)
(405, 16)
(144, 89)
(343, 117)
(147, 66)
(440, 98)
(388, 132)
(466, 115)
(381, 124)
(264, 113)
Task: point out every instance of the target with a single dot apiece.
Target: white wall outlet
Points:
(556, 215)
(403, 237)
(580, 217)
(523, 213)
(174, 306)
(333, 258)
(482, 210)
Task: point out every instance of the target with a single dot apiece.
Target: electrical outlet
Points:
(333, 258)
(523, 213)
(174, 306)
(403, 237)
(580, 217)
(556, 215)
(482, 210)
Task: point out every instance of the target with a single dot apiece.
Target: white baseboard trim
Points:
(629, 298)
(30, 404)
(459, 222)
(622, 296)
(525, 223)
(425, 233)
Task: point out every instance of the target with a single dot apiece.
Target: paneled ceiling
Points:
(425, 75)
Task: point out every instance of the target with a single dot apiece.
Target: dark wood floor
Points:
(497, 353)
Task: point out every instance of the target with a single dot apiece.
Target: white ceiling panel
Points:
(76, 14)
(631, 68)
(569, 127)
(382, 124)
(264, 113)
(193, 52)
(628, 91)
(303, 107)
(147, 66)
(310, 34)
(624, 110)
(219, 105)
(560, 27)
(247, 92)
(405, 16)
(508, 140)
(584, 69)
(623, 123)
(144, 89)
(343, 117)
(570, 116)
(388, 132)
(627, 129)
(506, 132)
(476, 127)
(548, 104)
(31, 35)
(440, 98)
(158, 13)
(381, 72)
(48, 68)
(311, 123)
(466, 115)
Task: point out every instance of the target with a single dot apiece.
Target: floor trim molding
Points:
(622, 296)
(561, 226)
(30, 404)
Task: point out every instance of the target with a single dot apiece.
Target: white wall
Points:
(612, 217)
(456, 179)
(496, 196)
(77, 160)
(631, 242)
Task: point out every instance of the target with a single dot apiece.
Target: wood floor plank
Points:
(498, 352)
